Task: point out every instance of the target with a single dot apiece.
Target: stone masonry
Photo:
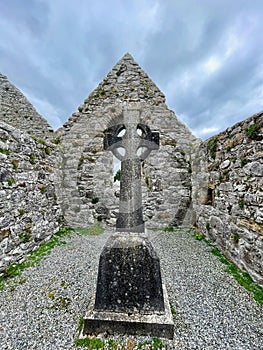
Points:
(227, 193)
(29, 213)
(215, 185)
(87, 171)
(17, 111)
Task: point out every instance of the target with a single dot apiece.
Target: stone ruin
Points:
(51, 179)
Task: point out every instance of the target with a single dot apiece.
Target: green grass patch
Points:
(10, 182)
(25, 237)
(57, 140)
(81, 325)
(40, 141)
(34, 258)
(15, 164)
(216, 252)
(48, 151)
(243, 161)
(198, 236)
(154, 344)
(173, 311)
(117, 176)
(32, 159)
(241, 204)
(5, 151)
(60, 303)
(92, 231)
(252, 131)
(243, 278)
(90, 343)
(212, 147)
(168, 229)
(97, 343)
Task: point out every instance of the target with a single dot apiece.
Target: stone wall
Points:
(17, 111)
(29, 214)
(215, 185)
(87, 192)
(228, 193)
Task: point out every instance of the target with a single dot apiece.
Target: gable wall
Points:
(17, 111)
(87, 190)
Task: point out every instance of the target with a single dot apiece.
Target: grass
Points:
(15, 164)
(92, 231)
(117, 176)
(198, 236)
(16, 269)
(252, 131)
(243, 161)
(168, 229)
(173, 311)
(47, 150)
(57, 140)
(97, 343)
(32, 159)
(25, 237)
(60, 303)
(243, 278)
(235, 237)
(5, 151)
(241, 204)
(212, 147)
(10, 182)
(90, 343)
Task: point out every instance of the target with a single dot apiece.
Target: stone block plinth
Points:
(156, 324)
(130, 297)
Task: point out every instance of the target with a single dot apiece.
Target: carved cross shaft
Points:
(131, 142)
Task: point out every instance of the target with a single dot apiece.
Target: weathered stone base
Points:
(129, 276)
(154, 324)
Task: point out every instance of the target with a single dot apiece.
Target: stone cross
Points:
(131, 142)
(130, 296)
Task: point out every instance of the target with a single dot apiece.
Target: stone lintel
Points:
(154, 324)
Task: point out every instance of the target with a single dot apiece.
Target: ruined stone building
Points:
(51, 179)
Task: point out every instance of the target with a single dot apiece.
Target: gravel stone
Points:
(212, 310)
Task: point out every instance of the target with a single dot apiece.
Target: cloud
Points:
(206, 131)
(46, 109)
(204, 55)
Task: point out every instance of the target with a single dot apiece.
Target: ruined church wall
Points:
(87, 191)
(29, 213)
(17, 111)
(228, 193)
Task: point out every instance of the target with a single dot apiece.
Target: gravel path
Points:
(212, 310)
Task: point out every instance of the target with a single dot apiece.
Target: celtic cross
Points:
(131, 142)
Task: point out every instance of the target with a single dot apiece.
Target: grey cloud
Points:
(59, 51)
(25, 16)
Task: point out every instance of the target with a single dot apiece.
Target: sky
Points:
(206, 56)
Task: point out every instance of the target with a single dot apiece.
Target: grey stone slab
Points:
(159, 324)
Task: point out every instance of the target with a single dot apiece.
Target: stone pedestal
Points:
(130, 297)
